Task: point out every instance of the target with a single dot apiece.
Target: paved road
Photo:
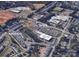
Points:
(46, 7)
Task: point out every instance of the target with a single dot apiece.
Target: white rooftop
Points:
(54, 21)
(60, 17)
(17, 9)
(43, 35)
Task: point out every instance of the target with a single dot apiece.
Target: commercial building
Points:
(44, 36)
